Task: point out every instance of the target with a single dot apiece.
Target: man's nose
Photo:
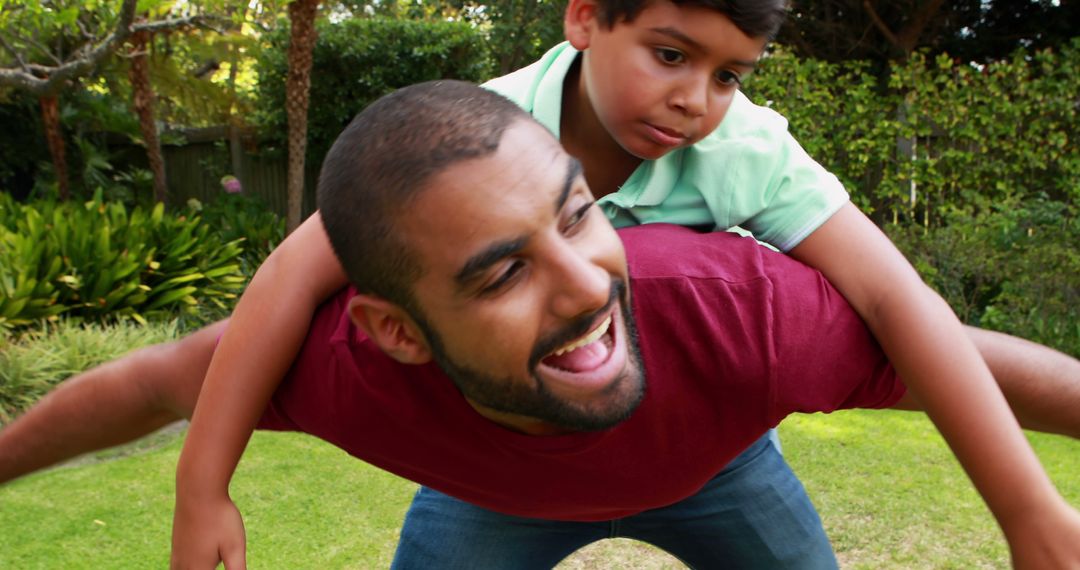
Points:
(581, 286)
(691, 96)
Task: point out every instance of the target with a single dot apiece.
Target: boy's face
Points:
(519, 264)
(664, 80)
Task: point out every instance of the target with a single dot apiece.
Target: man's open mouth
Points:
(586, 352)
(590, 361)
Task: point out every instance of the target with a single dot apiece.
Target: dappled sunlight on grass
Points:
(891, 494)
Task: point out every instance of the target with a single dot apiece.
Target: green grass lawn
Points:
(887, 488)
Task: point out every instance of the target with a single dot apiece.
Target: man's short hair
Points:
(384, 159)
(755, 18)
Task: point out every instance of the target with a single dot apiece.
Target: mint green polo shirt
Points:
(750, 172)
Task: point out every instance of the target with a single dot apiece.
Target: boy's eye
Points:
(728, 78)
(670, 56)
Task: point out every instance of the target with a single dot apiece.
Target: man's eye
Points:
(503, 278)
(577, 217)
(728, 78)
(670, 56)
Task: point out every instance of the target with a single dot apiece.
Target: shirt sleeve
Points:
(825, 356)
(755, 175)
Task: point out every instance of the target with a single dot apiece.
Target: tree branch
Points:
(909, 36)
(43, 80)
(880, 24)
(67, 71)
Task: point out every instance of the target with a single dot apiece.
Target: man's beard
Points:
(534, 400)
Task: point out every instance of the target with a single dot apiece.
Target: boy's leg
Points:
(1041, 384)
(110, 404)
(753, 514)
(444, 533)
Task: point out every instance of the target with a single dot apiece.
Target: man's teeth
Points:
(587, 339)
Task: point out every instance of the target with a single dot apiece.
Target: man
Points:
(504, 275)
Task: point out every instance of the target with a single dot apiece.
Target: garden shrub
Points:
(97, 260)
(357, 61)
(241, 216)
(1015, 269)
(935, 137)
(31, 365)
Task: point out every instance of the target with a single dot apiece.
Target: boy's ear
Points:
(580, 22)
(391, 328)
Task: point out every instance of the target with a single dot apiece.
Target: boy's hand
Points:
(206, 533)
(1047, 540)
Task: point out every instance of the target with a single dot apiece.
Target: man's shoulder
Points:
(659, 251)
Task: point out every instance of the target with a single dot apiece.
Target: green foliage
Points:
(945, 139)
(520, 31)
(99, 261)
(358, 61)
(39, 359)
(1015, 269)
(972, 170)
(243, 217)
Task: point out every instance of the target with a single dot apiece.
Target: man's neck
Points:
(606, 164)
(520, 424)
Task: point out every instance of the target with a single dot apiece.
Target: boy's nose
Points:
(692, 96)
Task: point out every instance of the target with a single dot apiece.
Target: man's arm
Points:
(1041, 384)
(264, 336)
(931, 351)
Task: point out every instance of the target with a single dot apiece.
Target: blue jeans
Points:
(754, 514)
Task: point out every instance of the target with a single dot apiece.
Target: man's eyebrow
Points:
(677, 34)
(573, 171)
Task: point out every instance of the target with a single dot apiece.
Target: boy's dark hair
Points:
(756, 18)
(383, 160)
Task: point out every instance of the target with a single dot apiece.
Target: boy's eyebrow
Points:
(678, 34)
(498, 250)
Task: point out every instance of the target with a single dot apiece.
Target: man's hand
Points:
(205, 533)
(1047, 540)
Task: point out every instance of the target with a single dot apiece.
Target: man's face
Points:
(664, 80)
(523, 295)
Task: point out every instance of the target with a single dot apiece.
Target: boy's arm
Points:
(264, 336)
(929, 349)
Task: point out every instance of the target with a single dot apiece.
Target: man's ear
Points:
(391, 327)
(580, 22)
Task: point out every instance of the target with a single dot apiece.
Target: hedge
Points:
(944, 137)
(357, 61)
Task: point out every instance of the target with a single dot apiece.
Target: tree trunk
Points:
(235, 149)
(297, 88)
(50, 116)
(139, 73)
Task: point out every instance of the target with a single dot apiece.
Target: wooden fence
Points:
(195, 169)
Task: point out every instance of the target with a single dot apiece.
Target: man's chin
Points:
(627, 392)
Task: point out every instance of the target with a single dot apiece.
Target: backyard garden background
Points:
(152, 153)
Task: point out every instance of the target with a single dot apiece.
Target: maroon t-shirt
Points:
(734, 337)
